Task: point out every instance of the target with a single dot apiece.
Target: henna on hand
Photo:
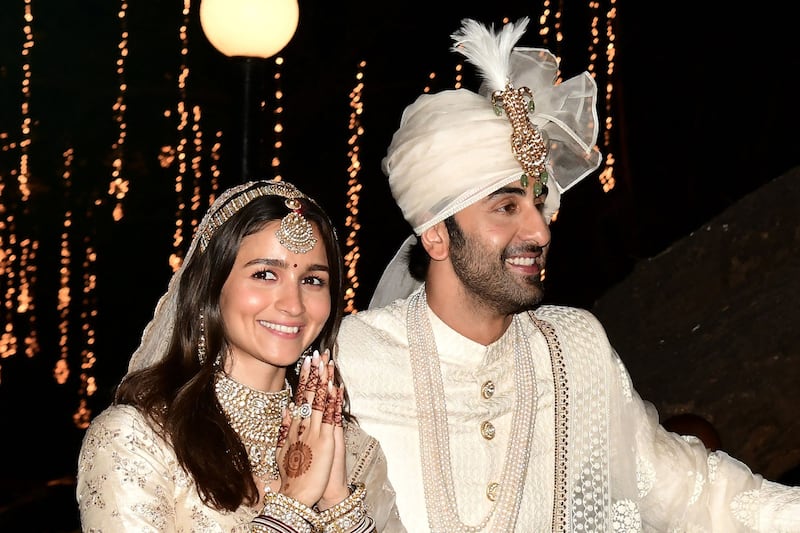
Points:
(297, 459)
(337, 413)
(313, 381)
(329, 415)
(302, 385)
(320, 394)
(283, 433)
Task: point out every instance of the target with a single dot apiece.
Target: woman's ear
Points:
(436, 241)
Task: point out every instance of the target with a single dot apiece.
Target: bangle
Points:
(365, 525)
(269, 524)
(347, 514)
(290, 512)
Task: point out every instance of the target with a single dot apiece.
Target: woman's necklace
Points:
(256, 417)
(437, 474)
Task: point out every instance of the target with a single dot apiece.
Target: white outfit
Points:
(129, 479)
(599, 460)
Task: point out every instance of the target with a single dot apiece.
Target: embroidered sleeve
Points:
(780, 508)
(366, 463)
(673, 483)
(690, 488)
(124, 483)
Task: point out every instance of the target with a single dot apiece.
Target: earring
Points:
(201, 342)
(299, 362)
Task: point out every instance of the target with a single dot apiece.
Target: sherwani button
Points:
(487, 430)
(492, 490)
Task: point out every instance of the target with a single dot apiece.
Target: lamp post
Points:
(250, 32)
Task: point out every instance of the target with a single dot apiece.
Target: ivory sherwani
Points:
(599, 461)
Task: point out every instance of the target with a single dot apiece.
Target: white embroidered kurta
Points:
(129, 480)
(615, 467)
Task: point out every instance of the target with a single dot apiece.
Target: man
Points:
(496, 413)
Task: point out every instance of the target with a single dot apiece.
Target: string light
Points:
(352, 248)
(26, 271)
(459, 79)
(176, 258)
(277, 128)
(26, 304)
(607, 175)
(88, 385)
(61, 371)
(544, 28)
(25, 126)
(431, 79)
(17, 253)
(188, 156)
(8, 268)
(118, 186)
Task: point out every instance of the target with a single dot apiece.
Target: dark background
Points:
(704, 109)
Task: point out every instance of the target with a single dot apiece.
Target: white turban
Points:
(452, 149)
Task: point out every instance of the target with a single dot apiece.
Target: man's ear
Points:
(436, 241)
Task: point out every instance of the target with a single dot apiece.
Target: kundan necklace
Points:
(437, 474)
(256, 417)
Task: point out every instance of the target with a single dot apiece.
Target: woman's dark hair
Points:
(177, 394)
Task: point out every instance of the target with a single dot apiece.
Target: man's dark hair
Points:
(418, 258)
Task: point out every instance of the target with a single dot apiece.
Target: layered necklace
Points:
(256, 417)
(437, 471)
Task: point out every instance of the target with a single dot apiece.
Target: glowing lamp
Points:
(249, 28)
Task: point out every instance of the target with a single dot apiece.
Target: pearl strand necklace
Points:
(437, 472)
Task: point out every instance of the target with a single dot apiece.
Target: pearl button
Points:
(487, 390)
(491, 490)
(487, 430)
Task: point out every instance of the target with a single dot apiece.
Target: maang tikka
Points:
(296, 233)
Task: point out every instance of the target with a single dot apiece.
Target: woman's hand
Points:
(307, 446)
(337, 489)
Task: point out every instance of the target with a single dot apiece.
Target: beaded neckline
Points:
(437, 472)
(256, 417)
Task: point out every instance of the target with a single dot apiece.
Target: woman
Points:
(202, 434)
